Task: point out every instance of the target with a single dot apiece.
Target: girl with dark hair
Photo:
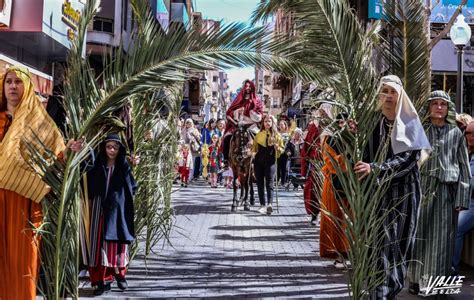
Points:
(111, 191)
(208, 130)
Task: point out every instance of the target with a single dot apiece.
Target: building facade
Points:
(37, 34)
(275, 90)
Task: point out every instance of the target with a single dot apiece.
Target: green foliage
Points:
(341, 53)
(406, 47)
(155, 119)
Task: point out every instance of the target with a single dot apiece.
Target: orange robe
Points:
(332, 240)
(19, 248)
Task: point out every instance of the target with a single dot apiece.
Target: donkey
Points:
(241, 161)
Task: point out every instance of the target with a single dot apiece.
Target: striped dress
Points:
(104, 253)
(445, 181)
(399, 207)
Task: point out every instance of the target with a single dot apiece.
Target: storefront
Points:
(444, 72)
(37, 34)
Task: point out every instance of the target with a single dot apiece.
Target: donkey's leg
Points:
(246, 193)
(234, 199)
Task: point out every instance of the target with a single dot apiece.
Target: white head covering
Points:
(189, 121)
(408, 133)
(327, 109)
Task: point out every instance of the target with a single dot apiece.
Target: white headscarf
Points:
(327, 109)
(408, 133)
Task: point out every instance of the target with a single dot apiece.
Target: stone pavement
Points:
(216, 254)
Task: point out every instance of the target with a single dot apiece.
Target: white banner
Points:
(5, 12)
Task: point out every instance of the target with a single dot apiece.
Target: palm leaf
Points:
(155, 172)
(333, 43)
(156, 61)
(406, 47)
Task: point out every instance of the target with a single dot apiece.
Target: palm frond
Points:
(155, 61)
(341, 51)
(406, 48)
(156, 117)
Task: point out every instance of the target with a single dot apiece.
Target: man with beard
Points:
(246, 110)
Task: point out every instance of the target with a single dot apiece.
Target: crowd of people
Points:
(277, 148)
(426, 155)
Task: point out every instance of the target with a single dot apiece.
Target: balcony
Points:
(101, 32)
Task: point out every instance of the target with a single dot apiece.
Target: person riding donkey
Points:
(246, 110)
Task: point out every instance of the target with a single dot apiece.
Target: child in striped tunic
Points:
(111, 192)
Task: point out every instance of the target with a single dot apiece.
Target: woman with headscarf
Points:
(22, 119)
(392, 153)
(191, 136)
(445, 180)
(309, 154)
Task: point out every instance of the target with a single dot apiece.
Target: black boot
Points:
(414, 288)
(101, 287)
(121, 283)
(313, 219)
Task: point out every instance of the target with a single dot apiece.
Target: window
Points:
(124, 15)
(214, 94)
(268, 80)
(104, 25)
(275, 103)
(215, 78)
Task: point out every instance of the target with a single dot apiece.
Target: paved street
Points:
(216, 254)
(219, 254)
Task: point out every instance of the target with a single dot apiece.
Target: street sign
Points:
(375, 9)
(442, 12)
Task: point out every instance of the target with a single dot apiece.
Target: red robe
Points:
(253, 104)
(311, 151)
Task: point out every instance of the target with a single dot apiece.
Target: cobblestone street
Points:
(216, 254)
(219, 254)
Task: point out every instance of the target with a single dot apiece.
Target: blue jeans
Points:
(465, 224)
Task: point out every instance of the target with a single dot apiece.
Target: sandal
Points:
(339, 264)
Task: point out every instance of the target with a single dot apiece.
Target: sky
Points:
(229, 11)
